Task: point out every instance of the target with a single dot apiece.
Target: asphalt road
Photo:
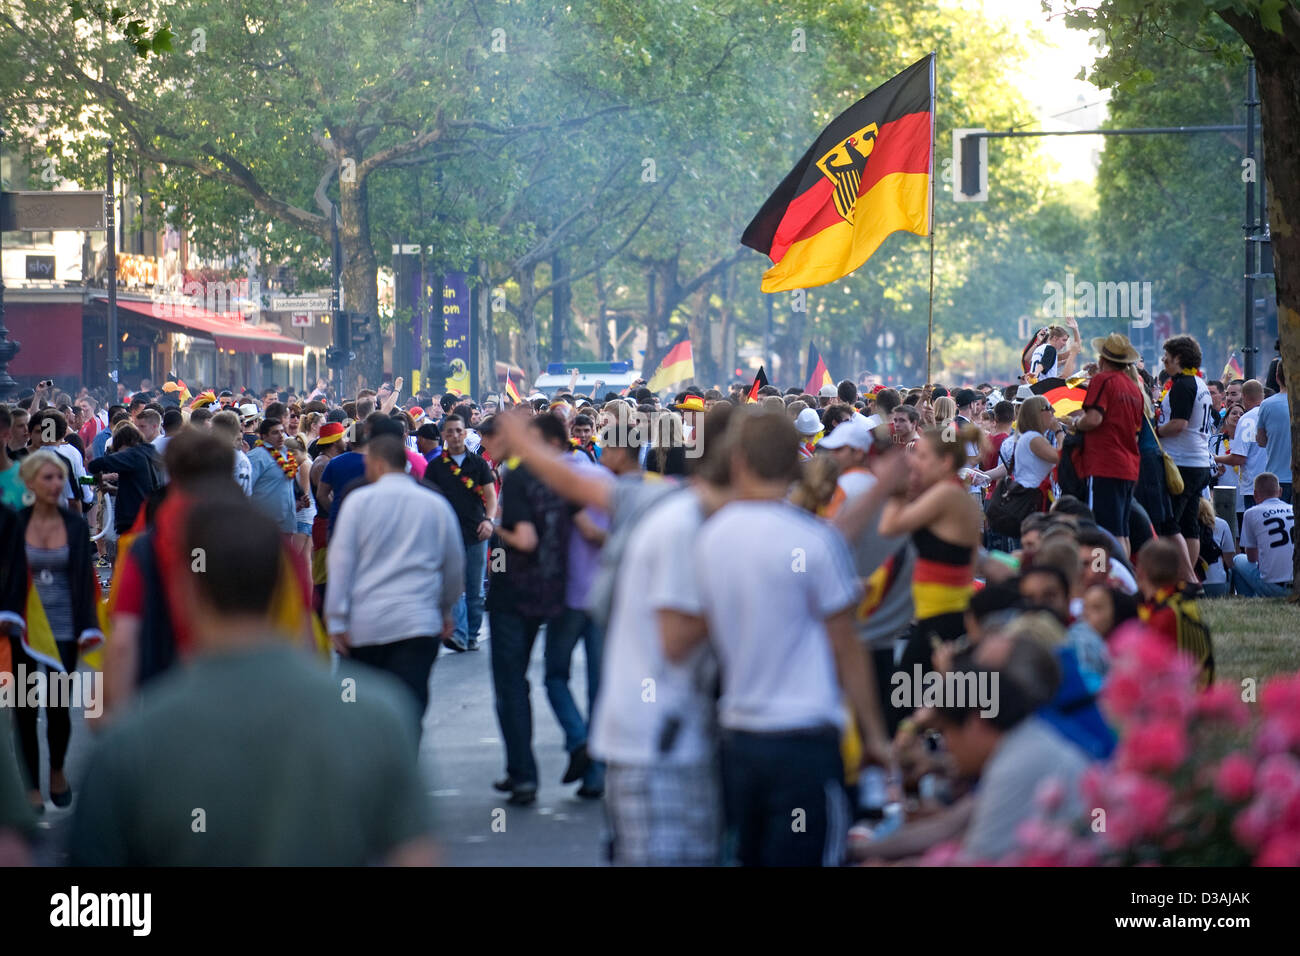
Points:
(461, 754)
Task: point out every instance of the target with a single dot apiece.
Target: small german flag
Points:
(511, 392)
(760, 381)
(867, 176)
(817, 374)
(677, 366)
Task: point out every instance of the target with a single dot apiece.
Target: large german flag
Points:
(868, 175)
(677, 366)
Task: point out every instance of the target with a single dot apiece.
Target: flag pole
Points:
(929, 335)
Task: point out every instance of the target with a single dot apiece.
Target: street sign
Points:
(35, 210)
(301, 319)
(300, 303)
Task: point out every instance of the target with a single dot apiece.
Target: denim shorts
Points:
(304, 527)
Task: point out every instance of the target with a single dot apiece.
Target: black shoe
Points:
(473, 645)
(578, 764)
(523, 796)
(63, 799)
(450, 644)
(590, 793)
(505, 785)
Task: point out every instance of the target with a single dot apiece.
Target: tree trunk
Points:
(361, 276)
(559, 308)
(1277, 67)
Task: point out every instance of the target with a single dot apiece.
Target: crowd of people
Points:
(764, 582)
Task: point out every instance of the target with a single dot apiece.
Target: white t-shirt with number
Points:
(1189, 398)
(1270, 527)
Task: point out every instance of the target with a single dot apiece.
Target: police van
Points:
(613, 377)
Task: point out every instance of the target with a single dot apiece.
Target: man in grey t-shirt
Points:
(1011, 751)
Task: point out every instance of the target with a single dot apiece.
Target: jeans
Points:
(765, 778)
(410, 661)
(512, 648)
(469, 606)
(1250, 584)
(561, 638)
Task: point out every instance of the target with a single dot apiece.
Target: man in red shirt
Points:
(1112, 417)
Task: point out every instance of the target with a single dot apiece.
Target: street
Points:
(461, 755)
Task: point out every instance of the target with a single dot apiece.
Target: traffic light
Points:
(970, 161)
(338, 358)
(360, 328)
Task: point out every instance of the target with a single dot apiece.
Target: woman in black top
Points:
(138, 467)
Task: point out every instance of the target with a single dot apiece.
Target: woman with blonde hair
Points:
(54, 573)
(667, 445)
(945, 410)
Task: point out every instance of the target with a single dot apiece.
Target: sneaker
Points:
(523, 796)
(473, 645)
(452, 644)
(590, 793)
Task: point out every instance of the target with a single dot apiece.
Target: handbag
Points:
(1173, 477)
(1010, 504)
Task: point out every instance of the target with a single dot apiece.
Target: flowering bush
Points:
(1197, 779)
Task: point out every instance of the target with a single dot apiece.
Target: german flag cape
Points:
(817, 374)
(38, 637)
(760, 381)
(867, 176)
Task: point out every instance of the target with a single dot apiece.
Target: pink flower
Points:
(1150, 652)
(1222, 702)
(1121, 694)
(1252, 825)
(1278, 778)
(1158, 745)
(1235, 777)
(1279, 734)
(1281, 695)
(1050, 795)
(1136, 806)
(1282, 849)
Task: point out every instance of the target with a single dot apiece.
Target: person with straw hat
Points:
(1112, 416)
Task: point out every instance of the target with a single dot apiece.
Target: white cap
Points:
(808, 422)
(828, 391)
(248, 411)
(1023, 392)
(853, 433)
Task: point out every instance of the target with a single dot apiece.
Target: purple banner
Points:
(455, 313)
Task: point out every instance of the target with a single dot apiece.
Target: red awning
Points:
(227, 331)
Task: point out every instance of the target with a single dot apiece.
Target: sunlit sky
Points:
(1054, 55)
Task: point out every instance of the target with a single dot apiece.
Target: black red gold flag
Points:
(817, 373)
(760, 381)
(867, 176)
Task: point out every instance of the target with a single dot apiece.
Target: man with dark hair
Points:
(527, 591)
(363, 801)
(847, 392)
(273, 476)
(1186, 424)
(465, 480)
(396, 570)
(49, 429)
(1008, 748)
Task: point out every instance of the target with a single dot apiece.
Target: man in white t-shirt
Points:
(786, 639)
(1265, 568)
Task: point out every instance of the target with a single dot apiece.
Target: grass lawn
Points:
(1253, 637)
